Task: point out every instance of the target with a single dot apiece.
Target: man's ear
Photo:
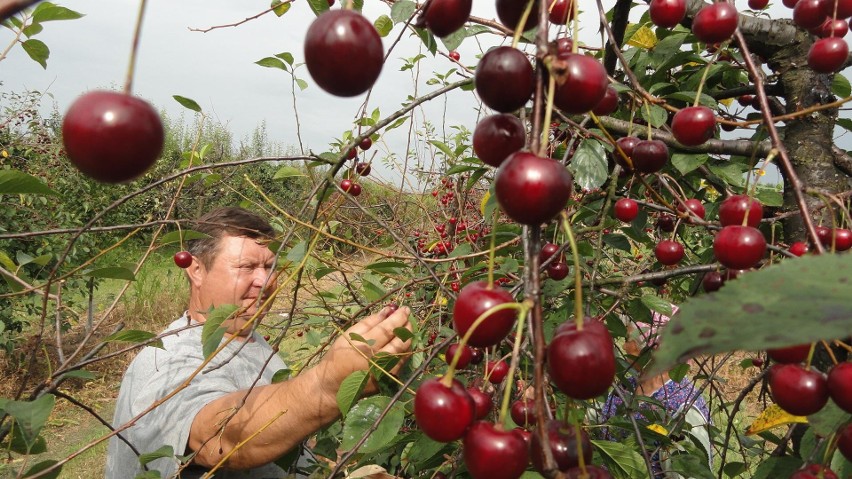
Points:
(195, 272)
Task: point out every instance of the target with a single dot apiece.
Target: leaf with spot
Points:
(799, 300)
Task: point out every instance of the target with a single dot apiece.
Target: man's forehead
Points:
(238, 246)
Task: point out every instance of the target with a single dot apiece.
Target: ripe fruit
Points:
(498, 136)
(608, 104)
(582, 363)
(492, 453)
(789, 355)
(799, 248)
(454, 55)
(832, 28)
(693, 125)
(547, 251)
(827, 55)
(712, 281)
(694, 206)
(840, 385)
(844, 8)
(665, 223)
(715, 23)
(627, 144)
(366, 143)
(343, 52)
(477, 356)
(348, 186)
(443, 413)
(650, 156)
(563, 445)
(443, 17)
(667, 13)
(464, 356)
(112, 137)
(363, 168)
(844, 442)
(482, 400)
(798, 391)
(626, 209)
(473, 300)
(669, 252)
(510, 12)
(496, 371)
(757, 4)
(814, 471)
(739, 247)
(557, 271)
(504, 79)
(842, 239)
(823, 235)
(808, 14)
(560, 10)
(183, 259)
(531, 189)
(583, 86)
(523, 412)
(734, 208)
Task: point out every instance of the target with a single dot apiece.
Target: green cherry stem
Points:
(548, 112)
(578, 279)
(704, 74)
(134, 48)
(523, 310)
(492, 249)
(519, 29)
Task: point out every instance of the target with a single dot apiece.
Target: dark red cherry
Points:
(693, 125)
(665, 223)
(739, 247)
(492, 453)
(590, 472)
(694, 206)
(814, 471)
(668, 252)
(627, 144)
(477, 356)
(443, 413)
(827, 55)
(843, 8)
(667, 13)
(343, 52)
(363, 168)
(532, 190)
(790, 354)
(650, 156)
(733, 209)
(464, 356)
(608, 104)
(712, 281)
(444, 17)
(626, 209)
(560, 10)
(844, 441)
(523, 412)
(547, 251)
(510, 12)
(482, 400)
(799, 248)
(112, 137)
(757, 4)
(581, 363)
(824, 235)
(832, 28)
(557, 271)
(797, 390)
(840, 386)
(475, 299)
(496, 371)
(563, 445)
(183, 259)
(498, 136)
(808, 14)
(366, 143)
(715, 22)
(504, 79)
(584, 84)
(842, 239)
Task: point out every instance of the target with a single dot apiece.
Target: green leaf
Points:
(620, 457)
(297, 253)
(845, 123)
(403, 333)
(288, 172)
(280, 8)
(43, 466)
(47, 12)
(387, 267)
(617, 241)
(423, 449)
(133, 336)
(162, 452)
(824, 423)
(302, 84)
(808, 301)
(733, 469)
(732, 173)
(463, 249)
(840, 86)
(272, 62)
(362, 417)
(212, 331)
(689, 98)
(402, 10)
(281, 375)
(30, 416)
(463, 168)
(318, 6)
(658, 304)
(692, 466)
(80, 374)
(769, 196)
(657, 115)
(589, 165)
(383, 25)
(350, 389)
(113, 272)
(37, 50)
(33, 29)
(455, 39)
(181, 236)
(286, 56)
(775, 467)
(686, 163)
(445, 149)
(678, 372)
(428, 40)
(187, 103)
(149, 475)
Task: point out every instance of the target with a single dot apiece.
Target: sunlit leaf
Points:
(271, 62)
(643, 37)
(48, 12)
(361, 418)
(383, 25)
(280, 8)
(773, 416)
(113, 272)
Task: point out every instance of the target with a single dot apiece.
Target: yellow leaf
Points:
(726, 101)
(773, 416)
(643, 38)
(5, 154)
(658, 429)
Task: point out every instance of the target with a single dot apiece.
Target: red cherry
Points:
(343, 52)
(827, 55)
(667, 13)
(348, 186)
(477, 356)
(799, 248)
(444, 17)
(492, 453)
(473, 300)
(526, 435)
(504, 79)
(669, 252)
(363, 168)
(694, 206)
(510, 12)
(532, 190)
(498, 136)
(840, 386)
(564, 45)
(745, 100)
(482, 400)
(523, 412)
(757, 4)
(584, 86)
(112, 137)
(590, 472)
(842, 239)
(694, 125)
(560, 10)
(557, 271)
(454, 55)
(789, 355)
(844, 442)
(496, 371)
(844, 8)
(581, 363)
(808, 14)
(739, 247)
(183, 259)
(547, 251)
(712, 281)
(351, 154)
(832, 28)
(789, 3)
(665, 223)
(464, 358)
(627, 144)
(608, 104)
(798, 391)
(589, 324)
(626, 209)
(715, 23)
(650, 156)
(733, 210)
(366, 143)
(562, 439)
(814, 471)
(443, 413)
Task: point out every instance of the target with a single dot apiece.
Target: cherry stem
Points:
(830, 352)
(580, 457)
(769, 157)
(648, 108)
(519, 29)
(609, 137)
(810, 357)
(578, 279)
(134, 48)
(523, 310)
(704, 74)
(492, 250)
(448, 378)
(548, 112)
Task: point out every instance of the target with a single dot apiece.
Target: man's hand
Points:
(348, 355)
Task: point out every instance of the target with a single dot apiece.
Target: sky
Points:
(217, 68)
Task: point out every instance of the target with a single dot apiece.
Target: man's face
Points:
(238, 275)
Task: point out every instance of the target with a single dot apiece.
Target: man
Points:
(230, 411)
